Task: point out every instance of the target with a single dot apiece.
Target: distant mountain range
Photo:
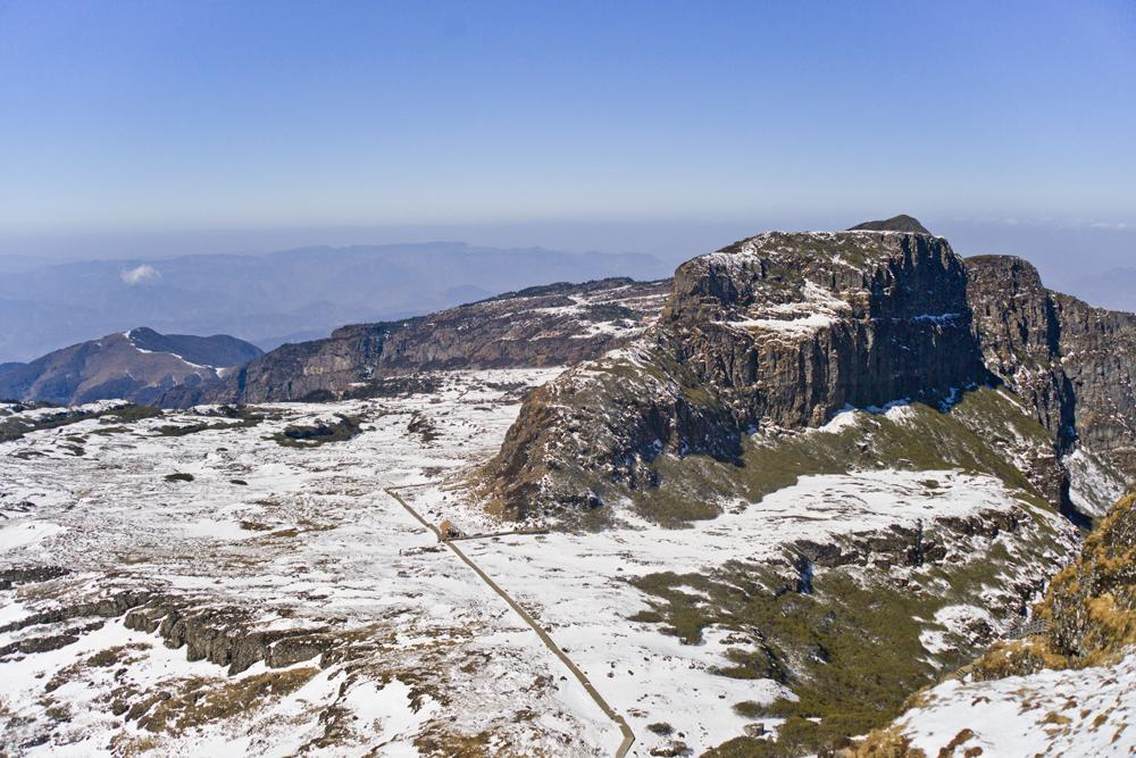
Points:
(271, 299)
(137, 365)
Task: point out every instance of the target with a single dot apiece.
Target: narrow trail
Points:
(581, 677)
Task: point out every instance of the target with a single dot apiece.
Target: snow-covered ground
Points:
(301, 537)
(1090, 712)
(306, 538)
(576, 584)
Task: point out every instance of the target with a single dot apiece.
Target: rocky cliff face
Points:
(783, 330)
(1071, 363)
(796, 326)
(554, 325)
(779, 330)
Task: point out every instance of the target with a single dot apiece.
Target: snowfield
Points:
(307, 540)
(413, 653)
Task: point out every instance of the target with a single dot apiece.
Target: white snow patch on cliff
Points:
(1093, 487)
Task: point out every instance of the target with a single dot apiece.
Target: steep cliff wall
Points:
(779, 330)
(783, 330)
(796, 326)
(1072, 364)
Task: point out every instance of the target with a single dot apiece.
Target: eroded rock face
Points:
(555, 325)
(1072, 363)
(1098, 353)
(225, 636)
(782, 330)
(804, 324)
(1020, 335)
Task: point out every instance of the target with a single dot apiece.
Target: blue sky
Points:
(124, 117)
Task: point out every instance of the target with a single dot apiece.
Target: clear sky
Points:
(127, 117)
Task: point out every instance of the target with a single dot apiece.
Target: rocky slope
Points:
(553, 325)
(1067, 688)
(137, 365)
(783, 330)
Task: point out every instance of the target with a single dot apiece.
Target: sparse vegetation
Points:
(201, 701)
(968, 437)
(1090, 610)
(15, 427)
(1089, 607)
(850, 650)
(242, 417)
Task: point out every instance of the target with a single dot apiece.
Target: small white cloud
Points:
(139, 275)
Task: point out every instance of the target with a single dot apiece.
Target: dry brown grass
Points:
(204, 700)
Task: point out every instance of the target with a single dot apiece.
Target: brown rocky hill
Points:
(137, 365)
(784, 330)
(553, 325)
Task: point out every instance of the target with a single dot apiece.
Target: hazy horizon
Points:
(145, 132)
(1065, 251)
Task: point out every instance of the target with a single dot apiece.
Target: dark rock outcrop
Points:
(225, 636)
(1072, 363)
(782, 330)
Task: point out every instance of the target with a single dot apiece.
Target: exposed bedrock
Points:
(225, 636)
(1073, 364)
(783, 330)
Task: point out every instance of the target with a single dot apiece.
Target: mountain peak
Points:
(136, 365)
(900, 223)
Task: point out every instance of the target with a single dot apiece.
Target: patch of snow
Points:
(27, 533)
(1093, 487)
(845, 419)
(388, 710)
